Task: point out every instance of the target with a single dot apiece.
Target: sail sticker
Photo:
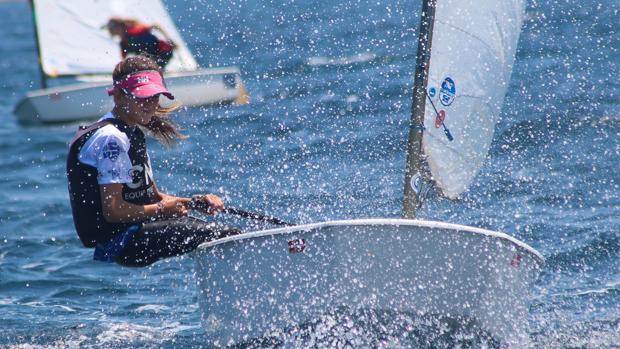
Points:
(447, 92)
(416, 183)
(441, 116)
(296, 246)
(55, 96)
(439, 120)
(432, 92)
(421, 187)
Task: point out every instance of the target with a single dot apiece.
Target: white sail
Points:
(72, 41)
(472, 53)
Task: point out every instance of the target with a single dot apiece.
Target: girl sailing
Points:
(117, 207)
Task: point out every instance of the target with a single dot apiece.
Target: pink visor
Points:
(143, 84)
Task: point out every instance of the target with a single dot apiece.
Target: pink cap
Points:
(142, 84)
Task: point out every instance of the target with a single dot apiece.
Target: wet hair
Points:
(162, 128)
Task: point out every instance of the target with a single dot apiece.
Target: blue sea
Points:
(324, 138)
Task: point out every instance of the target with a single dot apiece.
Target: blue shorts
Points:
(109, 251)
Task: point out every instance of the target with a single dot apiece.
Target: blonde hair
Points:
(161, 127)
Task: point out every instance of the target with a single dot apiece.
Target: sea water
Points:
(324, 138)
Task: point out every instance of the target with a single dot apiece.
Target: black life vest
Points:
(84, 192)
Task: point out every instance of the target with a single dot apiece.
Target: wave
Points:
(595, 249)
(369, 328)
(111, 334)
(602, 333)
(358, 58)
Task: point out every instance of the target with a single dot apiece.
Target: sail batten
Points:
(473, 50)
(79, 46)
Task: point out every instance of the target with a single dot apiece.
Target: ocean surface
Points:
(324, 138)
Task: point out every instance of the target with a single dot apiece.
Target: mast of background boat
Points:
(36, 38)
(414, 146)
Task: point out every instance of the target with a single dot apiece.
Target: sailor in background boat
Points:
(116, 205)
(138, 38)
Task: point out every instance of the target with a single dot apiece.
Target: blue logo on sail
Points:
(447, 92)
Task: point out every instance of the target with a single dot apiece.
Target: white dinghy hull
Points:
(89, 100)
(253, 284)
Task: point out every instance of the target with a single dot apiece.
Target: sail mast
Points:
(414, 145)
(36, 37)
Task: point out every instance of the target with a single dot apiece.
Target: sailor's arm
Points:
(161, 30)
(117, 210)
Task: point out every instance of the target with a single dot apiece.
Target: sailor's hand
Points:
(209, 204)
(172, 207)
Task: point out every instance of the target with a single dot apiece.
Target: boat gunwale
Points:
(78, 86)
(376, 222)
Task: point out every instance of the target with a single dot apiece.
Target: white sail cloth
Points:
(472, 54)
(72, 41)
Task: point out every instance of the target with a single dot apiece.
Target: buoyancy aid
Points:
(84, 192)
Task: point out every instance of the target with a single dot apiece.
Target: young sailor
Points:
(116, 205)
(138, 38)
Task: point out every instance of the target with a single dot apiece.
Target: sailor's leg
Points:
(162, 239)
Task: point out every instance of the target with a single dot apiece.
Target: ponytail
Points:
(163, 129)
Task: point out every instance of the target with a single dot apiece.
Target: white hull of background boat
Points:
(89, 100)
(253, 284)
